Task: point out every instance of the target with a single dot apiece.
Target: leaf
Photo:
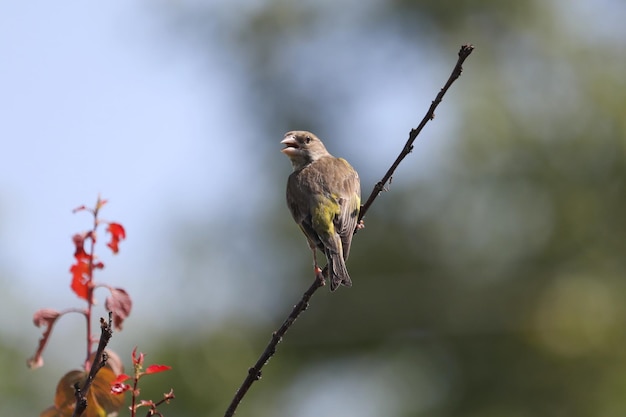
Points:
(81, 273)
(117, 234)
(79, 244)
(44, 317)
(153, 369)
(80, 208)
(120, 304)
(121, 378)
(117, 386)
(50, 412)
(100, 203)
(64, 400)
(100, 395)
(137, 359)
(114, 362)
(80, 279)
(100, 401)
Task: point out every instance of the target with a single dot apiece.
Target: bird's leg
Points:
(316, 269)
(360, 225)
(314, 250)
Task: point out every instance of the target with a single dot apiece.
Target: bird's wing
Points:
(329, 186)
(300, 198)
(348, 189)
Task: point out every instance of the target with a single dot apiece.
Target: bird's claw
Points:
(360, 225)
(319, 274)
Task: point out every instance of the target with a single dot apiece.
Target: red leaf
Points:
(79, 243)
(47, 317)
(153, 369)
(117, 386)
(120, 304)
(121, 378)
(137, 359)
(80, 208)
(117, 234)
(80, 279)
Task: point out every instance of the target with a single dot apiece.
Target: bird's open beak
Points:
(291, 145)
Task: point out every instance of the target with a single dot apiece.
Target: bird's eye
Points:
(307, 139)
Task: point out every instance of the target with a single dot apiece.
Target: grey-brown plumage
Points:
(324, 197)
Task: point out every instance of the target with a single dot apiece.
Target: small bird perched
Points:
(324, 197)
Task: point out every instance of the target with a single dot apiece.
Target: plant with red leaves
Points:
(89, 391)
(119, 387)
(83, 284)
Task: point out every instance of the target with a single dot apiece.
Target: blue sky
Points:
(92, 105)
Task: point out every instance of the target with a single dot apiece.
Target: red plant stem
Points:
(133, 409)
(90, 286)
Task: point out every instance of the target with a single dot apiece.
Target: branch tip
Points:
(464, 52)
(254, 373)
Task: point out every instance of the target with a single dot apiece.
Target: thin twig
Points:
(464, 52)
(99, 361)
(254, 373)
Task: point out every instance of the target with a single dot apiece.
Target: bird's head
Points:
(302, 148)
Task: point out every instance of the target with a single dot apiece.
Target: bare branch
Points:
(99, 361)
(464, 52)
(254, 373)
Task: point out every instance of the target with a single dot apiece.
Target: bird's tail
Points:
(337, 271)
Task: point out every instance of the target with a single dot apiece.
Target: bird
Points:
(324, 198)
